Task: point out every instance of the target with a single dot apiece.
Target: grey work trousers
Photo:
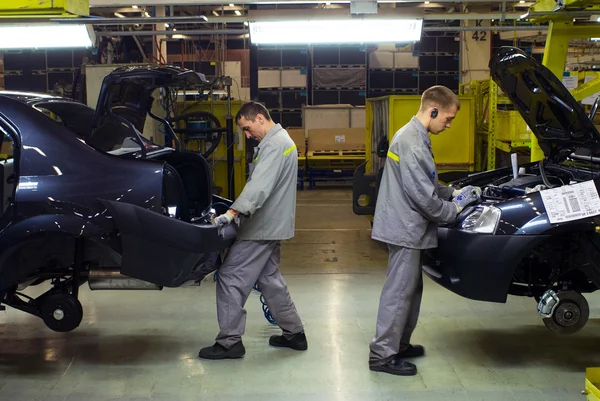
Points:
(399, 304)
(248, 263)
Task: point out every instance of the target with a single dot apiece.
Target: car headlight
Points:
(483, 220)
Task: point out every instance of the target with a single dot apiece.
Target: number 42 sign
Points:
(479, 36)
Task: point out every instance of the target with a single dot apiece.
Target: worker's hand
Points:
(468, 187)
(224, 219)
(466, 196)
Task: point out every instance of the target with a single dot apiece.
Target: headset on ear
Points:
(434, 113)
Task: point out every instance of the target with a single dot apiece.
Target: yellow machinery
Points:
(561, 29)
(43, 8)
(502, 129)
(454, 149)
(218, 159)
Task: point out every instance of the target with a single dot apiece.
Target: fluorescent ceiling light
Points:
(336, 31)
(44, 36)
(119, 15)
(216, 14)
(237, 12)
(134, 6)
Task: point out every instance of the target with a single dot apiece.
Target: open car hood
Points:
(553, 115)
(127, 92)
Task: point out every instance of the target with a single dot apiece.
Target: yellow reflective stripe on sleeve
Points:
(255, 160)
(393, 156)
(289, 150)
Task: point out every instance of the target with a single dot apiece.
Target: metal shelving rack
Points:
(487, 102)
(400, 81)
(350, 64)
(42, 70)
(283, 82)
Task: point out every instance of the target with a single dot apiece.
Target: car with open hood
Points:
(536, 230)
(87, 199)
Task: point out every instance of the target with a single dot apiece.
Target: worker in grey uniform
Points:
(410, 204)
(265, 211)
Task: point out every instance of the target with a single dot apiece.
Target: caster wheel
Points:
(61, 312)
(570, 315)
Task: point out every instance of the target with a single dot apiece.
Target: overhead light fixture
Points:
(238, 12)
(336, 31)
(426, 2)
(119, 15)
(146, 14)
(327, 3)
(166, 25)
(521, 1)
(245, 23)
(231, 5)
(134, 6)
(216, 14)
(44, 36)
(598, 19)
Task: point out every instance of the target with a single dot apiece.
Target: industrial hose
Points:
(265, 308)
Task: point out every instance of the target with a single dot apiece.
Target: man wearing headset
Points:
(410, 204)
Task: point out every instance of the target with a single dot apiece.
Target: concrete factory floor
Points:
(143, 345)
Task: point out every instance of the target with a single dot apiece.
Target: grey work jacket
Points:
(268, 201)
(411, 202)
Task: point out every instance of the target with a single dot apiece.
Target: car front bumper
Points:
(477, 266)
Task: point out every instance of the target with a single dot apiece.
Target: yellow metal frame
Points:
(43, 8)
(449, 157)
(592, 382)
(587, 88)
(487, 100)
(560, 31)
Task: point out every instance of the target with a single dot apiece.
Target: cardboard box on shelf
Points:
(335, 139)
(297, 135)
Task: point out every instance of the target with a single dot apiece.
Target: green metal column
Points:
(492, 107)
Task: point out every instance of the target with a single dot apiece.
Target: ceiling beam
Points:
(198, 32)
(127, 3)
(197, 19)
(404, 12)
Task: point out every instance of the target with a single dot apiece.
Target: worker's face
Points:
(443, 120)
(253, 129)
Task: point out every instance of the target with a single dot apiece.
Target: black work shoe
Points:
(396, 367)
(297, 342)
(412, 351)
(218, 351)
